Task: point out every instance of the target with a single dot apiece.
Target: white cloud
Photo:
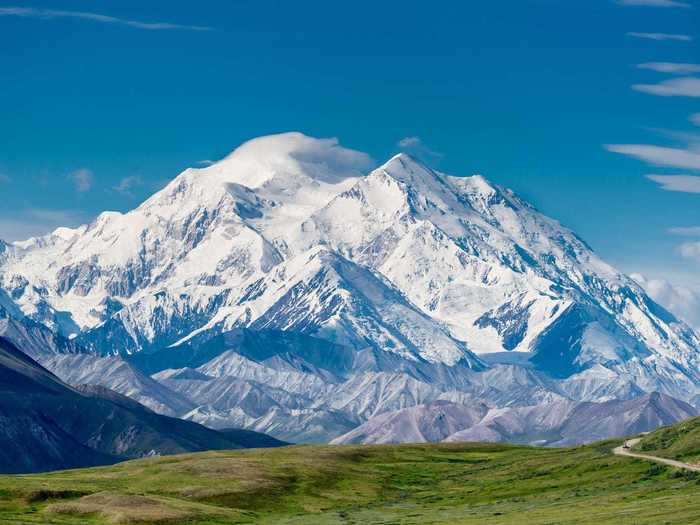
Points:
(32, 222)
(690, 250)
(82, 179)
(127, 184)
(415, 146)
(654, 3)
(683, 183)
(690, 231)
(323, 159)
(661, 36)
(47, 14)
(409, 142)
(659, 155)
(204, 162)
(683, 302)
(675, 87)
(671, 67)
(685, 157)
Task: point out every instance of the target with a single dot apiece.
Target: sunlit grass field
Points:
(455, 483)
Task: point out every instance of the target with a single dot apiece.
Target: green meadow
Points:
(405, 484)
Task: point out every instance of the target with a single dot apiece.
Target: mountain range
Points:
(559, 423)
(290, 289)
(46, 424)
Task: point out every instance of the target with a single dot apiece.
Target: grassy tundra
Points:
(408, 484)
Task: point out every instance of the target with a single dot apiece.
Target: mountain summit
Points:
(290, 233)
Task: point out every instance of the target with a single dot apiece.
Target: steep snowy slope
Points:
(323, 294)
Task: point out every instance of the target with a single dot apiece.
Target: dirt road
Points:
(621, 451)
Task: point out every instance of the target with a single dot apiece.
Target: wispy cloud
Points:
(128, 184)
(685, 155)
(204, 162)
(5, 179)
(416, 147)
(675, 87)
(682, 301)
(33, 222)
(659, 155)
(671, 67)
(82, 180)
(661, 36)
(655, 3)
(408, 142)
(690, 250)
(688, 231)
(695, 119)
(47, 14)
(682, 183)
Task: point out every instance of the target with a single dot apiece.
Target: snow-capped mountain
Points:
(399, 270)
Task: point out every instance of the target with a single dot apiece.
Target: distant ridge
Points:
(47, 425)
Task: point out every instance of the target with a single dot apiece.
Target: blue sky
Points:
(101, 102)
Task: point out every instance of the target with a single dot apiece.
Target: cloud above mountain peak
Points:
(256, 161)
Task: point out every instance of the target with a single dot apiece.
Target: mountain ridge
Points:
(47, 425)
(560, 423)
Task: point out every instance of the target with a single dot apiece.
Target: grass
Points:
(680, 441)
(408, 484)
